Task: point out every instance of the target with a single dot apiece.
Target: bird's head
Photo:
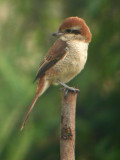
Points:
(74, 28)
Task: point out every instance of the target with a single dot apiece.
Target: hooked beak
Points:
(57, 34)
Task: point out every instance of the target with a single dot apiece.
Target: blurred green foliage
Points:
(25, 37)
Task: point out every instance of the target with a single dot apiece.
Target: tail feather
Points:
(30, 108)
(41, 88)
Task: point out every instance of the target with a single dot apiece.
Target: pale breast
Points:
(78, 54)
(73, 62)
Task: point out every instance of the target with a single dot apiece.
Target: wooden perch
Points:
(67, 137)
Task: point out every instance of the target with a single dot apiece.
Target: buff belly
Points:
(72, 64)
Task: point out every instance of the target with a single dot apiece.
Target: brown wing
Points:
(56, 52)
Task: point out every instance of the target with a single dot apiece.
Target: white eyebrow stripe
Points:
(75, 28)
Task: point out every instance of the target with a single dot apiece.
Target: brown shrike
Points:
(65, 59)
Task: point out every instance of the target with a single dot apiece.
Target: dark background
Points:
(25, 37)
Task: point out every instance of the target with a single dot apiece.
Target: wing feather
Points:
(56, 52)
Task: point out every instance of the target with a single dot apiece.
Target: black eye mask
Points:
(72, 31)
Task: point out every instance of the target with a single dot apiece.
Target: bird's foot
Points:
(75, 90)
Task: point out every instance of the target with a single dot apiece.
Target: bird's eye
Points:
(72, 31)
(76, 31)
(68, 30)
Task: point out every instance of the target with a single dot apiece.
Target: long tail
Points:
(41, 88)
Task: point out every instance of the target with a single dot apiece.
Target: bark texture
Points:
(67, 139)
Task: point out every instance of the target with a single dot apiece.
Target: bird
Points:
(65, 59)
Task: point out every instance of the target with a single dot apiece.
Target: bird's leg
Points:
(75, 90)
